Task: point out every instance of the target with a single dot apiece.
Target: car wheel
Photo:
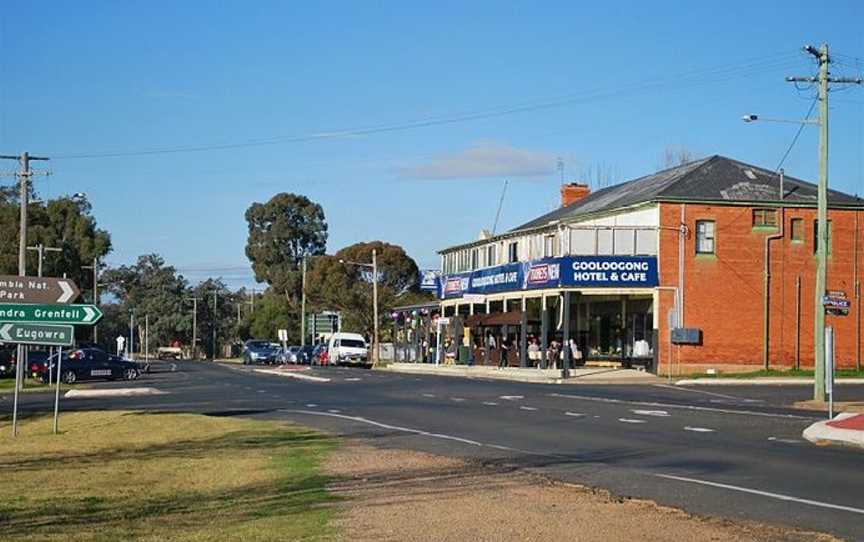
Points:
(69, 377)
(130, 374)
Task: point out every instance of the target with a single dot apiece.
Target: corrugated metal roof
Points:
(715, 178)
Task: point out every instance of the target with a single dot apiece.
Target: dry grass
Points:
(132, 476)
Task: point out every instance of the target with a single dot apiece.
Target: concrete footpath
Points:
(581, 375)
(760, 381)
(846, 429)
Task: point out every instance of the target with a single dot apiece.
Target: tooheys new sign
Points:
(571, 271)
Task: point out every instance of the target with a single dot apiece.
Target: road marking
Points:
(388, 426)
(714, 393)
(262, 391)
(112, 392)
(355, 379)
(311, 405)
(630, 420)
(785, 440)
(684, 407)
(334, 411)
(428, 394)
(457, 399)
(490, 403)
(778, 496)
(658, 413)
(511, 397)
(574, 414)
(292, 374)
(698, 429)
(527, 408)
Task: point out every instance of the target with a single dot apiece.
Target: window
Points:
(704, 237)
(513, 252)
(475, 258)
(797, 227)
(816, 236)
(491, 255)
(764, 218)
(550, 247)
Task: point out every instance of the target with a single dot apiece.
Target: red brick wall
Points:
(723, 294)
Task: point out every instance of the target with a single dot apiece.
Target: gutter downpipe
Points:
(767, 279)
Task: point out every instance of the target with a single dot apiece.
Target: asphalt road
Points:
(733, 452)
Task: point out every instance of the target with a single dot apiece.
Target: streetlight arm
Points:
(755, 118)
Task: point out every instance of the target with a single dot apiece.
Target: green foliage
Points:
(273, 312)
(63, 223)
(348, 288)
(281, 233)
(222, 319)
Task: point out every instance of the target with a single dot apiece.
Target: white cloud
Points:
(484, 160)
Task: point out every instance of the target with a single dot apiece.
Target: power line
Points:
(683, 80)
(797, 135)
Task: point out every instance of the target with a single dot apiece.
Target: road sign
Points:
(50, 314)
(37, 334)
(15, 289)
(283, 334)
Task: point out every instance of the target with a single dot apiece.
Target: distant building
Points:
(685, 247)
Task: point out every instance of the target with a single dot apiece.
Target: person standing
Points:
(505, 350)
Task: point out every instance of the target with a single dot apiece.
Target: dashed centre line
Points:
(699, 429)
(658, 413)
(311, 405)
(630, 420)
(428, 394)
(490, 403)
(511, 397)
(457, 399)
(527, 408)
(574, 414)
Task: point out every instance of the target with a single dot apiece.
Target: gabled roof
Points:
(715, 178)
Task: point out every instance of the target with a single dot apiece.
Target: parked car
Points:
(90, 364)
(305, 355)
(290, 355)
(255, 351)
(348, 349)
(7, 361)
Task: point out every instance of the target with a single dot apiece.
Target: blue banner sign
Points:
(571, 271)
(430, 280)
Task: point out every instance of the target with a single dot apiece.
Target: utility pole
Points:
(194, 301)
(822, 80)
(213, 346)
(95, 269)
(303, 306)
(24, 185)
(376, 354)
(40, 250)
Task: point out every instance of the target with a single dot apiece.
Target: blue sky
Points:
(287, 88)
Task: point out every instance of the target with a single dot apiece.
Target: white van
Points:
(348, 349)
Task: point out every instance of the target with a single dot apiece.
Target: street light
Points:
(753, 118)
(376, 355)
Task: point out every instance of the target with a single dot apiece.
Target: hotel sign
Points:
(571, 271)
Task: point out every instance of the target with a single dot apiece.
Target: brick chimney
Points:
(573, 192)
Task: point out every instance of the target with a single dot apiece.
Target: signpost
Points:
(829, 369)
(37, 334)
(14, 289)
(50, 314)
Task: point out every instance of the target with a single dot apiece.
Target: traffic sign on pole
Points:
(50, 314)
(15, 289)
(37, 334)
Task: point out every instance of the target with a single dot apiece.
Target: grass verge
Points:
(30, 385)
(171, 477)
(772, 373)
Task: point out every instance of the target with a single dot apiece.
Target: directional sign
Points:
(50, 314)
(15, 289)
(37, 334)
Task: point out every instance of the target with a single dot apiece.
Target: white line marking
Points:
(698, 429)
(292, 374)
(512, 397)
(527, 408)
(262, 391)
(355, 379)
(490, 403)
(311, 405)
(428, 394)
(457, 399)
(779, 496)
(658, 413)
(714, 393)
(334, 411)
(684, 407)
(388, 426)
(630, 420)
(785, 440)
(112, 392)
(574, 414)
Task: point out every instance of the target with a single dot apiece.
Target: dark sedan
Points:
(91, 364)
(261, 352)
(7, 361)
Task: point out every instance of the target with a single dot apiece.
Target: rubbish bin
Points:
(464, 355)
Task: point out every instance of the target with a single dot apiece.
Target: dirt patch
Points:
(407, 496)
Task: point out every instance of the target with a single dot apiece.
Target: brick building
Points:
(712, 245)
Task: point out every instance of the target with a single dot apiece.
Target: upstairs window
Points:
(764, 218)
(491, 255)
(550, 247)
(705, 239)
(475, 258)
(513, 252)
